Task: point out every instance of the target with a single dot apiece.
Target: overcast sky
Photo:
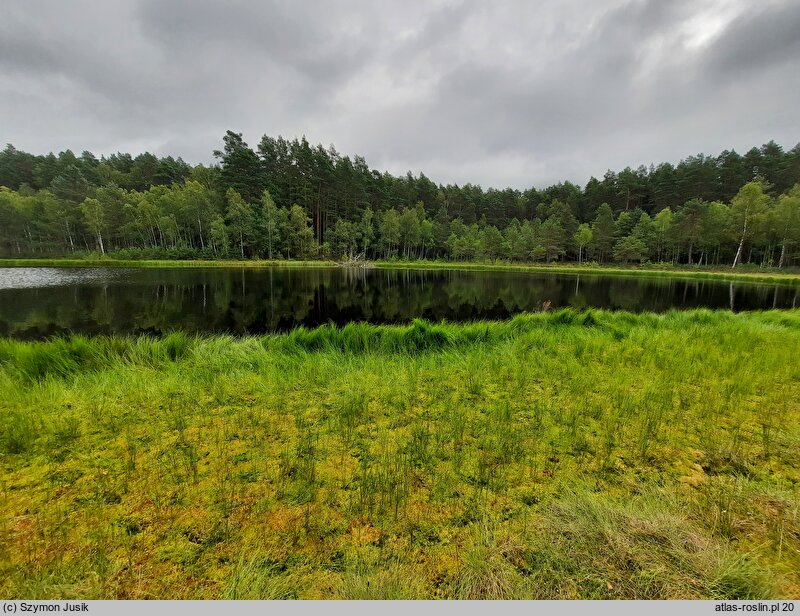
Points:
(515, 93)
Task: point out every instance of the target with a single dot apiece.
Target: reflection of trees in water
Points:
(251, 300)
(500, 296)
(578, 300)
(626, 296)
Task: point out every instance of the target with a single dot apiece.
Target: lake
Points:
(41, 302)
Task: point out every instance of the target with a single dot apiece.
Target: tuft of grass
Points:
(393, 584)
(175, 345)
(17, 432)
(487, 572)
(635, 549)
(261, 578)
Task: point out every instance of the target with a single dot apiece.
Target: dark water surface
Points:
(40, 302)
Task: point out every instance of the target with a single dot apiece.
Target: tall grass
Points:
(555, 455)
(62, 357)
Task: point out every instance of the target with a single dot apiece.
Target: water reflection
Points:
(36, 303)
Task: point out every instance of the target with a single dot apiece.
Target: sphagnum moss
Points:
(559, 455)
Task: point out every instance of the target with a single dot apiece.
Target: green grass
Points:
(744, 273)
(147, 263)
(556, 455)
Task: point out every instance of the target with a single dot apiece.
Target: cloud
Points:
(515, 93)
(762, 39)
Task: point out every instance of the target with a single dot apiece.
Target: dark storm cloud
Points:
(511, 93)
(765, 38)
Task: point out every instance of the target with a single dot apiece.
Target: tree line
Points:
(290, 200)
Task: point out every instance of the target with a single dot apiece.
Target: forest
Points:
(287, 199)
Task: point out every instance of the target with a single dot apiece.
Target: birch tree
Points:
(787, 213)
(93, 216)
(749, 202)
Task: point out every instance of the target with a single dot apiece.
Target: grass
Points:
(150, 263)
(723, 273)
(744, 273)
(556, 455)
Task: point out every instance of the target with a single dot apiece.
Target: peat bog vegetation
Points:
(553, 455)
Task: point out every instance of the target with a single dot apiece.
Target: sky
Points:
(513, 93)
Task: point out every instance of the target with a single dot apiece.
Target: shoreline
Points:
(762, 276)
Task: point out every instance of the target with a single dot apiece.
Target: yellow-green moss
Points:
(559, 455)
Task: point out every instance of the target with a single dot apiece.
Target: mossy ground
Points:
(556, 455)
